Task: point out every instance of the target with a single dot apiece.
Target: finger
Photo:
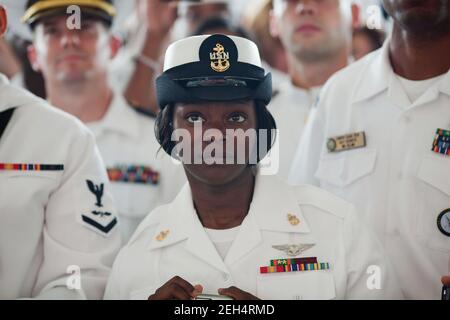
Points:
(231, 292)
(183, 283)
(446, 281)
(178, 292)
(198, 289)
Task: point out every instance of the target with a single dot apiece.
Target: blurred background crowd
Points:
(148, 26)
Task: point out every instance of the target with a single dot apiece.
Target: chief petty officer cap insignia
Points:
(213, 68)
(36, 10)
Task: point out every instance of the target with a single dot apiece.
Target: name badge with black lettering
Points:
(347, 142)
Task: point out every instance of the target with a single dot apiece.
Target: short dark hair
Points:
(164, 127)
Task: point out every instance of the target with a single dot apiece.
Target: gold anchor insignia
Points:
(220, 59)
(293, 220)
(163, 235)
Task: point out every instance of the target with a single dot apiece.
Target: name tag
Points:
(347, 142)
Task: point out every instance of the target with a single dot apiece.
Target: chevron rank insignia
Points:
(99, 215)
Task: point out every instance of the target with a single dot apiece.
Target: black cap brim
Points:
(170, 91)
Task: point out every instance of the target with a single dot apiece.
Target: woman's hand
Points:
(177, 289)
(237, 294)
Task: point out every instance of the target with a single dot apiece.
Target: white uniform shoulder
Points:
(323, 200)
(38, 111)
(350, 76)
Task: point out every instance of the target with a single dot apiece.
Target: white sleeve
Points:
(112, 291)
(306, 159)
(80, 230)
(370, 274)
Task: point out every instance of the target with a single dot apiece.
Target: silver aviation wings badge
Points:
(294, 250)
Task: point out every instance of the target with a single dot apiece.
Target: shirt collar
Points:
(375, 77)
(120, 117)
(296, 92)
(378, 76)
(273, 202)
(444, 85)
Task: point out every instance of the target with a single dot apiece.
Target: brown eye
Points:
(237, 118)
(194, 118)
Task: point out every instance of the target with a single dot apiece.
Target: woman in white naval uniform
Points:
(230, 223)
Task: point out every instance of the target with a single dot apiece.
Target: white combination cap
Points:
(188, 50)
(216, 67)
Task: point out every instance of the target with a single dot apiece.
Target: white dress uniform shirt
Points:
(172, 242)
(50, 220)
(127, 138)
(396, 182)
(290, 108)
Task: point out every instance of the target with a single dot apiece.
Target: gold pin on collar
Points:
(163, 235)
(293, 220)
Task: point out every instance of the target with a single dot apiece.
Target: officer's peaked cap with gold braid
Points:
(37, 10)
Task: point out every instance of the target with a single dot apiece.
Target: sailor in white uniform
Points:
(58, 225)
(380, 138)
(75, 68)
(317, 37)
(233, 232)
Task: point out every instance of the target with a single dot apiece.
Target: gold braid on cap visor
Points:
(51, 4)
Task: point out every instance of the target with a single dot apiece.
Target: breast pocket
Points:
(312, 285)
(342, 169)
(434, 189)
